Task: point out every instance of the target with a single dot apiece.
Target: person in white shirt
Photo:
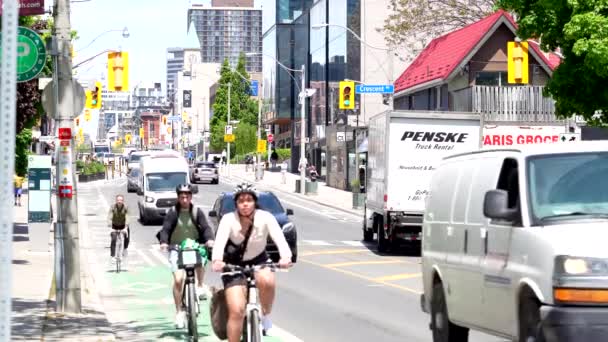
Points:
(241, 240)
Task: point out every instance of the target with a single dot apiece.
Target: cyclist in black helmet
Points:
(185, 221)
(241, 240)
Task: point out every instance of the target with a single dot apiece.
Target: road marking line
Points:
(145, 257)
(158, 255)
(314, 211)
(317, 242)
(354, 243)
(360, 276)
(340, 251)
(399, 276)
(369, 262)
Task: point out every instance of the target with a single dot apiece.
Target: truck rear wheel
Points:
(382, 241)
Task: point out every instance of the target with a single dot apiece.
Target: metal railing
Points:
(512, 103)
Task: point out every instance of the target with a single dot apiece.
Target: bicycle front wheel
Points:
(119, 248)
(253, 330)
(192, 326)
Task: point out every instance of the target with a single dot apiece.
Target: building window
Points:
(493, 78)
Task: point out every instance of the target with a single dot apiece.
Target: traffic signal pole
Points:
(303, 132)
(66, 229)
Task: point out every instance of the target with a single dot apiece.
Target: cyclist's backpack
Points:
(218, 311)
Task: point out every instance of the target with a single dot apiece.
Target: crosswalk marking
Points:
(317, 243)
(353, 243)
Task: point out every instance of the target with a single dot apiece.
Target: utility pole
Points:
(258, 161)
(8, 95)
(303, 132)
(228, 123)
(69, 298)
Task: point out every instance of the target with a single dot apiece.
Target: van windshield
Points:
(166, 181)
(564, 186)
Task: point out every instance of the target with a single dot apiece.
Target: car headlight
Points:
(577, 266)
(570, 284)
(289, 228)
(149, 199)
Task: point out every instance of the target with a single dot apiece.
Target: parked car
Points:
(109, 158)
(204, 172)
(269, 202)
(132, 180)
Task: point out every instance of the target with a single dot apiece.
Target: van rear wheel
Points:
(443, 329)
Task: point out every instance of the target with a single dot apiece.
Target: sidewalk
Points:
(33, 303)
(327, 196)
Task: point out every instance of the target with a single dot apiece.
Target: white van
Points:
(159, 175)
(515, 244)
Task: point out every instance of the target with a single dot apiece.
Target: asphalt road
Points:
(340, 290)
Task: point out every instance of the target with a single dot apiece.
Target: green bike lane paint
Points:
(145, 297)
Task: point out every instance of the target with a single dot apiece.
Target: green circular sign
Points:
(31, 54)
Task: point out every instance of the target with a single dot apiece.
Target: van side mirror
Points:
(195, 189)
(289, 212)
(496, 206)
(212, 213)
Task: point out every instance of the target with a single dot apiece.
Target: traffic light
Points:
(164, 119)
(517, 64)
(93, 97)
(347, 95)
(118, 71)
(128, 138)
(187, 100)
(77, 122)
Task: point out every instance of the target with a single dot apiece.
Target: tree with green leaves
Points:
(412, 24)
(580, 30)
(242, 107)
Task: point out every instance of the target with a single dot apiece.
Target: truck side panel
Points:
(417, 146)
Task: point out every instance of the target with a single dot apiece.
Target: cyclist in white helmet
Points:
(241, 240)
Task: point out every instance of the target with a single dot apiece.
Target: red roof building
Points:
(453, 67)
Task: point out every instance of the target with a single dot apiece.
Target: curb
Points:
(299, 196)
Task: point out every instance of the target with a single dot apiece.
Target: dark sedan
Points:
(269, 202)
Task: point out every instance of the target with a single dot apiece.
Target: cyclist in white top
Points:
(249, 226)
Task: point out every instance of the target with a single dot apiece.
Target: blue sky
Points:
(154, 25)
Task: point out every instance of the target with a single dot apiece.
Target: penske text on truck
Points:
(404, 148)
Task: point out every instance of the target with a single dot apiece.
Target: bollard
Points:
(112, 171)
(107, 172)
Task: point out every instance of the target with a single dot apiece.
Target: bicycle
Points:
(253, 311)
(190, 256)
(120, 246)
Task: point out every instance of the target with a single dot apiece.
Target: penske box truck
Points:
(404, 148)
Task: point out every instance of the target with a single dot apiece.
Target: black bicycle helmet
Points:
(245, 188)
(183, 188)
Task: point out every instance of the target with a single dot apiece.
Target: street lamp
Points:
(304, 93)
(125, 34)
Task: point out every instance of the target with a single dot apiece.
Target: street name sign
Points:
(374, 89)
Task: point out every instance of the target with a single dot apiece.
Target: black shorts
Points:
(239, 279)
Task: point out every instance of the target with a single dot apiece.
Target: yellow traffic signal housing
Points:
(347, 95)
(77, 121)
(164, 119)
(118, 71)
(93, 97)
(517, 62)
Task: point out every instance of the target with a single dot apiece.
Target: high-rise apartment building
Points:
(226, 31)
(175, 64)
